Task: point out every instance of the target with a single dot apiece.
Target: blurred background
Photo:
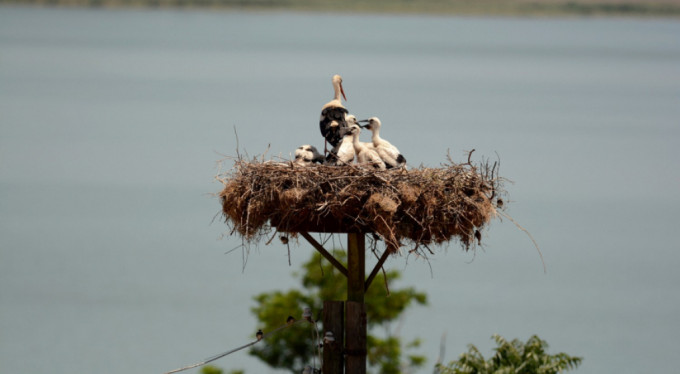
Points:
(113, 117)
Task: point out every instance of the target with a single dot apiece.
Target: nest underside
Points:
(422, 206)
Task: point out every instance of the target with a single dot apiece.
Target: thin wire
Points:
(315, 335)
(317, 342)
(216, 357)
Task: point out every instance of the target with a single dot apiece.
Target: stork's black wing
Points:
(317, 157)
(328, 115)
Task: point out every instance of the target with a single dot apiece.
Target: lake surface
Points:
(111, 123)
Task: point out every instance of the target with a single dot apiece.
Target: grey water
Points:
(112, 123)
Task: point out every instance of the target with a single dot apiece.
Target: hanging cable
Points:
(307, 316)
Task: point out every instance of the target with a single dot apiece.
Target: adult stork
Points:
(306, 155)
(333, 115)
(364, 154)
(387, 152)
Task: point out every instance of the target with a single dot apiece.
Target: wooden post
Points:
(355, 328)
(333, 321)
(356, 338)
(356, 267)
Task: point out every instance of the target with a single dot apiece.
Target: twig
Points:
(545, 270)
(470, 155)
(238, 153)
(387, 283)
(442, 349)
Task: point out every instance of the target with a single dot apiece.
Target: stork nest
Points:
(423, 206)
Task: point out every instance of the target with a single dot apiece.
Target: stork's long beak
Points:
(342, 92)
(364, 120)
(364, 126)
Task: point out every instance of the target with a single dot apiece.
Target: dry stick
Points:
(493, 189)
(470, 155)
(244, 256)
(272, 238)
(238, 154)
(545, 270)
(428, 249)
(392, 238)
(216, 357)
(442, 349)
(387, 284)
(265, 152)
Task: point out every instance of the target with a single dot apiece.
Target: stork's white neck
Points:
(338, 93)
(355, 139)
(376, 135)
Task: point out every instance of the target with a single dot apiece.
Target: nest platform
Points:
(420, 206)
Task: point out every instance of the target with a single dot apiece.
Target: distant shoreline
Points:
(537, 8)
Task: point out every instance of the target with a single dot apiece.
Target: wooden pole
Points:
(333, 322)
(355, 328)
(356, 267)
(356, 338)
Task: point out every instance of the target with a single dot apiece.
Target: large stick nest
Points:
(423, 206)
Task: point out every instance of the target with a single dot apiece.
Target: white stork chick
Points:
(364, 154)
(387, 152)
(333, 114)
(352, 120)
(306, 155)
(343, 153)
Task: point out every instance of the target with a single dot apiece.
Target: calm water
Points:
(111, 123)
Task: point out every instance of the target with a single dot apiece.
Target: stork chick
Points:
(343, 153)
(306, 155)
(387, 152)
(352, 120)
(364, 154)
